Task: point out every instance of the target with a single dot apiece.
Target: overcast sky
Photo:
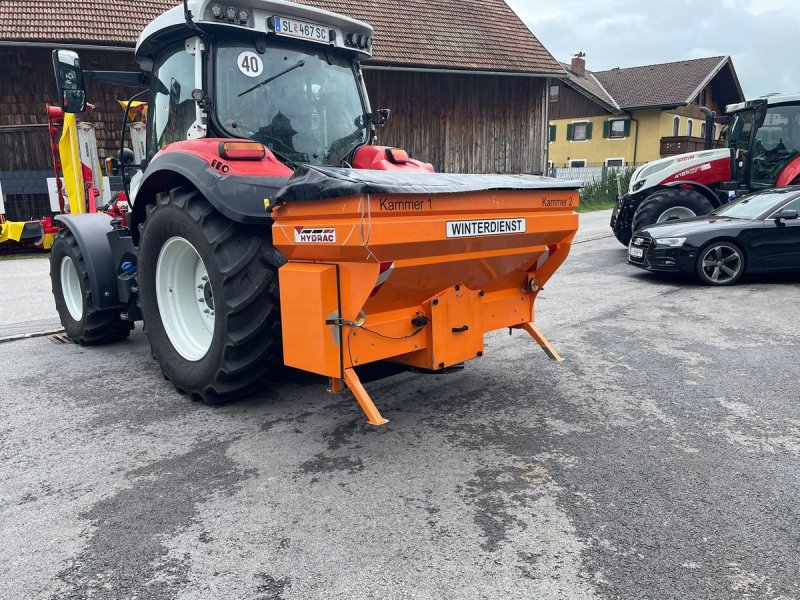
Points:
(762, 36)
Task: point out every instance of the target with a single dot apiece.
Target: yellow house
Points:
(626, 117)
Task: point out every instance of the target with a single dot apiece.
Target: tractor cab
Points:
(281, 74)
(764, 139)
(284, 75)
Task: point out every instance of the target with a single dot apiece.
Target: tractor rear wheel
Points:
(670, 204)
(208, 289)
(82, 321)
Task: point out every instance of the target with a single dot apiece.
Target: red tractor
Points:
(763, 152)
(266, 227)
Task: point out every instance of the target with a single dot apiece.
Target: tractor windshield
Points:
(302, 103)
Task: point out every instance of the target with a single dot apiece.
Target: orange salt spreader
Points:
(412, 267)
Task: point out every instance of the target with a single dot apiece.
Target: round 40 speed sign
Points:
(250, 64)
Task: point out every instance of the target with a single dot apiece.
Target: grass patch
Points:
(602, 193)
(593, 206)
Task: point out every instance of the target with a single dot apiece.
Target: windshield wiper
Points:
(297, 65)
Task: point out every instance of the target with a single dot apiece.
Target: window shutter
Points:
(569, 131)
(552, 133)
(628, 128)
(607, 129)
(588, 131)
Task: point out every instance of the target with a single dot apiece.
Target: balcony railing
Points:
(682, 144)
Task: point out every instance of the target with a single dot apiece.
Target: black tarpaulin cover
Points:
(320, 183)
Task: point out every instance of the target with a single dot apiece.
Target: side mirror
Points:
(786, 215)
(69, 79)
(380, 116)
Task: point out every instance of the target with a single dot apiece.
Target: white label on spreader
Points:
(479, 227)
(314, 235)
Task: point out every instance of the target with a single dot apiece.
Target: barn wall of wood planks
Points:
(464, 123)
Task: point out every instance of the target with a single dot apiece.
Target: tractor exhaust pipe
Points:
(708, 141)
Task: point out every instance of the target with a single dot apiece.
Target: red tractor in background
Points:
(763, 152)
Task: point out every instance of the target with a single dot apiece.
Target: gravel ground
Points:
(660, 460)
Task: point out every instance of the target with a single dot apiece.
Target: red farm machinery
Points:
(266, 227)
(763, 151)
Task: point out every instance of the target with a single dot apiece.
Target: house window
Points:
(690, 128)
(676, 127)
(577, 163)
(615, 162)
(554, 93)
(703, 130)
(579, 132)
(552, 133)
(617, 129)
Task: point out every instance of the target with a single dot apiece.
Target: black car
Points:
(758, 233)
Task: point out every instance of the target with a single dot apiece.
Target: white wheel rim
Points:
(185, 301)
(676, 212)
(71, 288)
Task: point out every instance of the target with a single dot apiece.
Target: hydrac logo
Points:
(319, 235)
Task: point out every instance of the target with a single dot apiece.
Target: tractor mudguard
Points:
(706, 191)
(241, 198)
(90, 232)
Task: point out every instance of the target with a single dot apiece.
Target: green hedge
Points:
(604, 190)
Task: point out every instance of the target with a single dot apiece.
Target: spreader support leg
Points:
(541, 340)
(335, 385)
(354, 383)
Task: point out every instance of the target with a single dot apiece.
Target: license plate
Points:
(301, 30)
(636, 252)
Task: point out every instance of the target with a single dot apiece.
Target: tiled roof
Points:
(101, 22)
(589, 84)
(667, 84)
(484, 35)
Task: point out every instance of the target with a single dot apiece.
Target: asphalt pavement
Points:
(660, 460)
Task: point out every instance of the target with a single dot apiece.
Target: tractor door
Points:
(775, 144)
(172, 110)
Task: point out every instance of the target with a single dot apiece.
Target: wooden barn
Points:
(468, 91)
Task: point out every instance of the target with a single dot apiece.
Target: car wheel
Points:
(720, 263)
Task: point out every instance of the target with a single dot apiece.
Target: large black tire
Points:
(720, 263)
(242, 276)
(655, 206)
(92, 326)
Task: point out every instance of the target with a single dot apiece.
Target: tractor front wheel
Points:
(81, 319)
(208, 289)
(670, 204)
